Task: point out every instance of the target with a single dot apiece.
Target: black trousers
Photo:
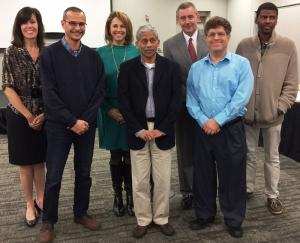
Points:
(186, 132)
(221, 159)
(60, 140)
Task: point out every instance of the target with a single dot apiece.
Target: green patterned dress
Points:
(112, 135)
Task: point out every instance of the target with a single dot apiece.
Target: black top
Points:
(72, 86)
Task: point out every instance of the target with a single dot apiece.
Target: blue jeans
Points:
(59, 141)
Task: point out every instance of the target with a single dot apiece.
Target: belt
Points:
(235, 120)
(150, 119)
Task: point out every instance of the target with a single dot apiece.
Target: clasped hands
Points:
(147, 135)
(36, 122)
(80, 127)
(211, 127)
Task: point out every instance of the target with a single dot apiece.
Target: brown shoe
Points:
(88, 222)
(139, 231)
(167, 229)
(46, 233)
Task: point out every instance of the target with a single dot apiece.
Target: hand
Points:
(155, 133)
(80, 127)
(146, 135)
(116, 115)
(29, 118)
(211, 127)
(37, 122)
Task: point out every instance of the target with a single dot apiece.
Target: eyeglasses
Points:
(73, 24)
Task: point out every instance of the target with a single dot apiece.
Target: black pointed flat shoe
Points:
(38, 209)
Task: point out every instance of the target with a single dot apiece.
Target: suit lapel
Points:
(158, 71)
(200, 45)
(182, 47)
(141, 73)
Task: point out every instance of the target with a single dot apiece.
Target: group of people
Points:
(211, 102)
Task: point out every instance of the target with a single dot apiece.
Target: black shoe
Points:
(139, 231)
(199, 224)
(118, 207)
(250, 195)
(236, 232)
(187, 201)
(38, 209)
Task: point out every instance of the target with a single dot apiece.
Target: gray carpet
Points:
(259, 226)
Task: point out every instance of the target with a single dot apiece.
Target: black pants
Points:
(60, 140)
(223, 157)
(186, 132)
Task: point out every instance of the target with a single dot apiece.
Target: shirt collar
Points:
(228, 57)
(187, 37)
(271, 41)
(75, 53)
(148, 65)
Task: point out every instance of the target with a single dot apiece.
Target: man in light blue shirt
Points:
(218, 89)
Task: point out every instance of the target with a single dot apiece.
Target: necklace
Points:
(115, 62)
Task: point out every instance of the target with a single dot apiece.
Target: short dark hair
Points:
(127, 23)
(184, 6)
(22, 17)
(266, 6)
(72, 9)
(216, 22)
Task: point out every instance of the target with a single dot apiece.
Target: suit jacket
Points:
(133, 95)
(176, 50)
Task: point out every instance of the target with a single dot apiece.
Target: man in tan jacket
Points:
(273, 60)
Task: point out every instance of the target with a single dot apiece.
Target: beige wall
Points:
(162, 13)
(241, 15)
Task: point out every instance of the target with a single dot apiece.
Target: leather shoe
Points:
(167, 229)
(46, 233)
(187, 201)
(236, 232)
(38, 209)
(88, 222)
(199, 224)
(139, 231)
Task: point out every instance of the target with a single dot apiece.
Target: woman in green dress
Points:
(111, 124)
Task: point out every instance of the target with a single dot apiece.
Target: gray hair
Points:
(146, 28)
(185, 5)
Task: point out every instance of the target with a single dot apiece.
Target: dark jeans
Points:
(59, 143)
(221, 156)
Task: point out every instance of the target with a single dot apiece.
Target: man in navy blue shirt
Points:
(72, 81)
(218, 89)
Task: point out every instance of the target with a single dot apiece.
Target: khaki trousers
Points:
(151, 159)
(271, 138)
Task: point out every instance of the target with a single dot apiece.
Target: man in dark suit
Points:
(149, 96)
(185, 48)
